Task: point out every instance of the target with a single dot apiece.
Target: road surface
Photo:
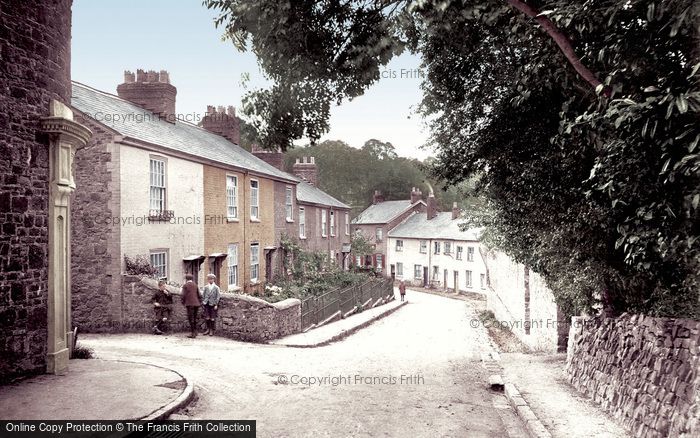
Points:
(415, 373)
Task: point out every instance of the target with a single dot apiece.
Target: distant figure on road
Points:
(210, 302)
(402, 289)
(190, 299)
(162, 306)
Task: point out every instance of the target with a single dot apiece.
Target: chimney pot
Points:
(377, 197)
(415, 195)
(219, 122)
(307, 170)
(151, 91)
(456, 212)
(164, 77)
(431, 211)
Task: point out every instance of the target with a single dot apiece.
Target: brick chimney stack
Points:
(432, 206)
(377, 197)
(150, 90)
(416, 195)
(306, 170)
(223, 121)
(272, 157)
(456, 212)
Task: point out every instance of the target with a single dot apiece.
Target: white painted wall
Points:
(506, 299)
(411, 256)
(184, 196)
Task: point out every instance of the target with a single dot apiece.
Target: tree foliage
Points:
(352, 175)
(579, 120)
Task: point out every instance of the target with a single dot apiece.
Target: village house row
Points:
(421, 245)
(186, 197)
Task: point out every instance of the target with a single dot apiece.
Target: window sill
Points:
(232, 219)
(290, 221)
(233, 289)
(254, 282)
(324, 236)
(255, 220)
(302, 237)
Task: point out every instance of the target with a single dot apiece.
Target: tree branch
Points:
(562, 41)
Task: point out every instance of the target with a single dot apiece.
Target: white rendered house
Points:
(434, 252)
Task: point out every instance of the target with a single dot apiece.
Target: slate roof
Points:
(134, 122)
(313, 195)
(417, 226)
(382, 212)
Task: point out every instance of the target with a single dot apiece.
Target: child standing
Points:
(210, 301)
(162, 306)
(402, 289)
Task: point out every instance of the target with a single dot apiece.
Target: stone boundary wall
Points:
(521, 301)
(644, 371)
(240, 317)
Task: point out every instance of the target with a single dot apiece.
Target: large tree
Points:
(579, 119)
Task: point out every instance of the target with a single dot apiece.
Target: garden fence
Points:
(317, 309)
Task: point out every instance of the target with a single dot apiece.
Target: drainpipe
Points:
(430, 262)
(246, 219)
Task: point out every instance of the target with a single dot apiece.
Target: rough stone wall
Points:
(645, 371)
(95, 233)
(34, 68)
(534, 319)
(240, 317)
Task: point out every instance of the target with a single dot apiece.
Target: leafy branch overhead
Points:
(579, 120)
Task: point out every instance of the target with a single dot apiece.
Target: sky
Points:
(109, 37)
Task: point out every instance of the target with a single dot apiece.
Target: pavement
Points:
(97, 389)
(340, 329)
(416, 372)
(540, 379)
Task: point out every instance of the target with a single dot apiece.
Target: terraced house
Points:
(320, 222)
(378, 219)
(186, 198)
(430, 250)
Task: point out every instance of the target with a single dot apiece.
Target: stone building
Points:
(186, 199)
(430, 249)
(38, 138)
(381, 217)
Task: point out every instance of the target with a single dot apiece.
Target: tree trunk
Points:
(562, 41)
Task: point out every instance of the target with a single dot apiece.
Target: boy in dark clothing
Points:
(162, 306)
(190, 299)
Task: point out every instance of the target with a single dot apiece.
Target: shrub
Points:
(139, 265)
(80, 352)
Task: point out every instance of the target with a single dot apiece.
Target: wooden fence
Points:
(317, 309)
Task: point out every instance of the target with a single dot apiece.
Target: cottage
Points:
(378, 219)
(149, 184)
(317, 220)
(431, 250)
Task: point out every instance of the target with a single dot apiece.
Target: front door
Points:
(425, 276)
(268, 266)
(444, 276)
(393, 271)
(456, 284)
